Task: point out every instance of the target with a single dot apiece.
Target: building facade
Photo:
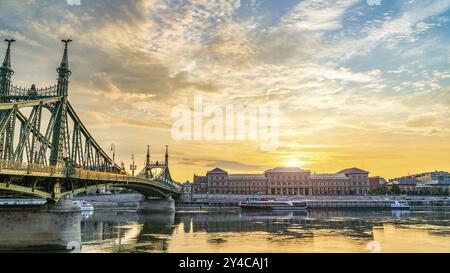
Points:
(376, 182)
(247, 184)
(330, 184)
(359, 180)
(217, 181)
(425, 177)
(437, 182)
(283, 181)
(408, 184)
(288, 181)
(199, 185)
(186, 191)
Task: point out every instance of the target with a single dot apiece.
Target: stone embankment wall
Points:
(221, 201)
(117, 201)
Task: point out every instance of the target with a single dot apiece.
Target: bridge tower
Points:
(60, 151)
(148, 167)
(6, 72)
(166, 157)
(166, 173)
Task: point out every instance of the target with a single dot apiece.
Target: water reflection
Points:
(312, 231)
(127, 232)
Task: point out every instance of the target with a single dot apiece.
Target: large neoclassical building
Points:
(283, 181)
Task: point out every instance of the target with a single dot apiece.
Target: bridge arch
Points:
(146, 191)
(4, 187)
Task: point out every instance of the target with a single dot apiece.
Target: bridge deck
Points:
(38, 170)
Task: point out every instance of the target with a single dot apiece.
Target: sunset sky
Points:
(360, 83)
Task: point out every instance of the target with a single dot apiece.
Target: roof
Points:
(247, 176)
(407, 181)
(216, 171)
(330, 176)
(354, 171)
(286, 170)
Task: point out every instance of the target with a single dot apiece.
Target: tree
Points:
(395, 189)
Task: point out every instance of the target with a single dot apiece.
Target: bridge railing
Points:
(21, 168)
(31, 167)
(168, 182)
(26, 92)
(94, 175)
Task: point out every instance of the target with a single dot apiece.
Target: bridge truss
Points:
(46, 151)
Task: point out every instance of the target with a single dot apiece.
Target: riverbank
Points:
(128, 201)
(325, 202)
(230, 203)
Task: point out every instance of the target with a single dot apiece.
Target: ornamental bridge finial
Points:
(65, 59)
(64, 72)
(7, 60)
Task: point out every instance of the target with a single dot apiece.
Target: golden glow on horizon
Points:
(294, 163)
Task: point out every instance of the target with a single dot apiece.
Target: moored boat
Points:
(83, 205)
(271, 204)
(399, 206)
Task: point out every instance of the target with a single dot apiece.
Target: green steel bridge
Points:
(47, 152)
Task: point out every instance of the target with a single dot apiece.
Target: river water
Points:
(297, 232)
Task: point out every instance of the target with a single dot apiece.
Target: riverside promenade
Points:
(217, 202)
(348, 201)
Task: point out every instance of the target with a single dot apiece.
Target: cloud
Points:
(342, 71)
(318, 15)
(406, 28)
(423, 121)
(236, 166)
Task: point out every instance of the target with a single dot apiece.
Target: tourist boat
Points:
(83, 205)
(271, 204)
(399, 206)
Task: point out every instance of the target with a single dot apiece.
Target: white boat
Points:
(270, 204)
(399, 206)
(83, 205)
(86, 214)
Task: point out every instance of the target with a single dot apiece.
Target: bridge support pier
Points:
(65, 204)
(38, 229)
(55, 227)
(156, 205)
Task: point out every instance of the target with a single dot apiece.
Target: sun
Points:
(294, 163)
